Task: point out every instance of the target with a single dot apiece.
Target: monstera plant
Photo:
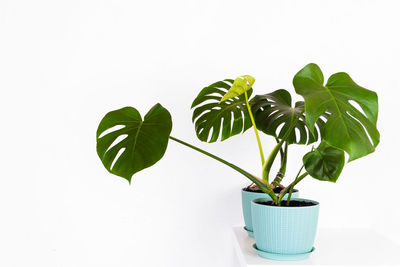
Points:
(339, 115)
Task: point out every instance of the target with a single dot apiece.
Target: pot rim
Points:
(253, 202)
(243, 190)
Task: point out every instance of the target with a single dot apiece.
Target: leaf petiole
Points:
(255, 129)
(264, 187)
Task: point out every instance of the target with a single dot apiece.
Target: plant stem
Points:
(298, 173)
(280, 150)
(255, 129)
(284, 191)
(281, 173)
(292, 186)
(289, 196)
(264, 187)
(268, 164)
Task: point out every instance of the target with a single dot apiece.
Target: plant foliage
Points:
(143, 143)
(340, 114)
(209, 116)
(241, 85)
(324, 163)
(274, 111)
(347, 127)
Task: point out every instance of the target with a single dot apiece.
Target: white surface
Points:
(338, 247)
(64, 64)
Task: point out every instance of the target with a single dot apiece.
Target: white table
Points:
(334, 247)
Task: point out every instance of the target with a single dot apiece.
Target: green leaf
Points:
(275, 110)
(324, 163)
(347, 128)
(144, 144)
(209, 116)
(239, 86)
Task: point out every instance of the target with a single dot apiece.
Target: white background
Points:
(64, 64)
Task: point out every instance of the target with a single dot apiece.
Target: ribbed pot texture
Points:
(248, 197)
(284, 230)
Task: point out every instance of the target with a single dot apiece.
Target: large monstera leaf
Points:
(347, 128)
(324, 163)
(209, 116)
(137, 144)
(274, 110)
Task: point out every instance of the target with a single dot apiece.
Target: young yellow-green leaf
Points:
(347, 128)
(239, 86)
(139, 144)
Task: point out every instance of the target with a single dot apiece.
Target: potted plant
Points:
(222, 110)
(284, 229)
(126, 143)
(346, 115)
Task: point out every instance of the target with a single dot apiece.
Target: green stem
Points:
(292, 185)
(268, 164)
(255, 129)
(283, 166)
(280, 150)
(298, 173)
(289, 196)
(265, 188)
(281, 173)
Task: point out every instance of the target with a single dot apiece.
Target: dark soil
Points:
(255, 189)
(292, 203)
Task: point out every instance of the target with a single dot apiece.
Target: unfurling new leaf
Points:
(239, 86)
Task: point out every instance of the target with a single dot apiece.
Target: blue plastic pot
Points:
(247, 198)
(284, 233)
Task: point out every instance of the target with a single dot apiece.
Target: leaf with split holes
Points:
(209, 115)
(274, 110)
(136, 144)
(347, 128)
(324, 163)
